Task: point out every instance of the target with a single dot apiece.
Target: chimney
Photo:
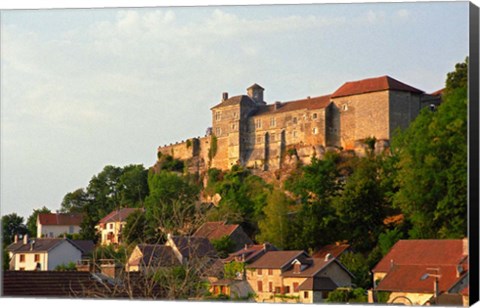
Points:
(110, 268)
(224, 96)
(25, 239)
(328, 256)
(465, 246)
(277, 105)
(32, 245)
(391, 264)
(15, 238)
(255, 92)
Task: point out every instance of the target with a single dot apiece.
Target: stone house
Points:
(42, 254)
(293, 276)
(216, 230)
(58, 224)
(249, 132)
(111, 226)
(417, 272)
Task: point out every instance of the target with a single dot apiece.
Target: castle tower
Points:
(255, 92)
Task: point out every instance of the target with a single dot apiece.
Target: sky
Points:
(86, 88)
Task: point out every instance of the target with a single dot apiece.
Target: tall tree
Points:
(432, 165)
(32, 220)
(74, 202)
(275, 226)
(12, 225)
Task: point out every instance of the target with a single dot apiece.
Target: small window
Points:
(286, 289)
(294, 120)
(235, 115)
(278, 290)
(295, 287)
(259, 286)
(218, 116)
(70, 229)
(294, 134)
(234, 127)
(315, 131)
(270, 286)
(50, 234)
(314, 116)
(345, 107)
(37, 257)
(258, 123)
(270, 272)
(259, 271)
(110, 226)
(305, 294)
(273, 122)
(218, 131)
(22, 258)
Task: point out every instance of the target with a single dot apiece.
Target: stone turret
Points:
(255, 92)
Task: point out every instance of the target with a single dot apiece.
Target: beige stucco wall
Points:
(417, 299)
(115, 228)
(29, 264)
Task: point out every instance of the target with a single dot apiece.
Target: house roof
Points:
(406, 278)
(156, 255)
(40, 245)
(215, 230)
(194, 246)
(60, 219)
(86, 246)
(318, 284)
(119, 215)
(235, 100)
(319, 102)
(314, 265)
(277, 259)
(255, 86)
(369, 85)
(335, 250)
(422, 252)
(249, 252)
(438, 92)
(71, 284)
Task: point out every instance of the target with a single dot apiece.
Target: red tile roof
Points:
(235, 100)
(250, 252)
(277, 259)
(60, 219)
(319, 102)
(119, 215)
(438, 92)
(406, 278)
(335, 250)
(215, 230)
(373, 85)
(422, 252)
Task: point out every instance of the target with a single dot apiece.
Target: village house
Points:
(217, 230)
(419, 272)
(249, 132)
(45, 254)
(145, 257)
(58, 224)
(235, 285)
(293, 276)
(111, 226)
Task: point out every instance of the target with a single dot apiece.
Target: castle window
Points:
(315, 131)
(218, 116)
(294, 120)
(294, 134)
(258, 123)
(235, 115)
(273, 122)
(345, 107)
(218, 131)
(234, 127)
(314, 116)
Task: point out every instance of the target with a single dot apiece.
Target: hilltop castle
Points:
(249, 132)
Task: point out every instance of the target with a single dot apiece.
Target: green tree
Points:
(223, 246)
(12, 225)
(347, 295)
(133, 185)
(432, 165)
(32, 220)
(134, 231)
(361, 206)
(357, 264)
(275, 225)
(74, 202)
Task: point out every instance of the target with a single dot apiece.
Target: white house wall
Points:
(55, 231)
(64, 253)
